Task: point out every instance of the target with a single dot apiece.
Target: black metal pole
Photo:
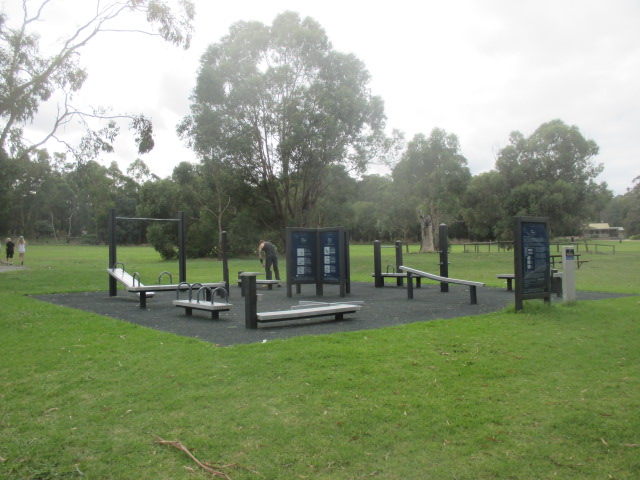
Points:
(444, 256)
(182, 252)
(347, 261)
(399, 280)
(113, 287)
(410, 286)
(225, 260)
(377, 265)
(250, 300)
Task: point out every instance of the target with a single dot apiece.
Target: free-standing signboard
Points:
(318, 256)
(531, 259)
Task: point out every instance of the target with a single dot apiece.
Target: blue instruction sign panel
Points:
(535, 258)
(304, 255)
(318, 255)
(330, 255)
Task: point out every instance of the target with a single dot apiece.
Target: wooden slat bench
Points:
(418, 273)
(190, 304)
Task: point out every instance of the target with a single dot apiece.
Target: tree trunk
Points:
(426, 233)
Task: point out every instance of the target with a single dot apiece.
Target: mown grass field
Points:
(553, 392)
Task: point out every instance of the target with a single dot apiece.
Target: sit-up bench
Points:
(207, 303)
(309, 310)
(411, 272)
(337, 310)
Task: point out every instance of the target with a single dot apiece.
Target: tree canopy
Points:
(280, 106)
(433, 175)
(284, 127)
(30, 78)
(551, 174)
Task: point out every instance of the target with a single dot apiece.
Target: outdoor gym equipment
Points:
(133, 283)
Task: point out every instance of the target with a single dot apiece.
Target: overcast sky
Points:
(479, 69)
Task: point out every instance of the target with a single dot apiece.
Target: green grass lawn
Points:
(553, 392)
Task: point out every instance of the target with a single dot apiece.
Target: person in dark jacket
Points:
(271, 258)
(9, 247)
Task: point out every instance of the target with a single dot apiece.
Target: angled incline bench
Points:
(132, 284)
(419, 273)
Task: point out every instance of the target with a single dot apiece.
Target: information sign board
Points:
(319, 256)
(531, 259)
(535, 262)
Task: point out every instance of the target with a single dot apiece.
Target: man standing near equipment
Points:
(271, 254)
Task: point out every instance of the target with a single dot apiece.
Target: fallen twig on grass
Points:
(205, 466)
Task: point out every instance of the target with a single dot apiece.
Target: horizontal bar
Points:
(151, 219)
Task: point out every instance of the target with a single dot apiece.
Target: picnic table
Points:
(558, 258)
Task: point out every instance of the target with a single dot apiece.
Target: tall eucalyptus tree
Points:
(280, 106)
(433, 175)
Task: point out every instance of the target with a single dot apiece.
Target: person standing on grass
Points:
(9, 246)
(271, 258)
(22, 248)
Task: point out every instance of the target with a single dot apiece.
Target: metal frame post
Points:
(399, 262)
(182, 259)
(113, 286)
(377, 264)
(225, 260)
(250, 300)
(443, 242)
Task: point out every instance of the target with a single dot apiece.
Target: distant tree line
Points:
(52, 198)
(285, 129)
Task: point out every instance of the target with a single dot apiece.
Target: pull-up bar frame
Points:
(182, 254)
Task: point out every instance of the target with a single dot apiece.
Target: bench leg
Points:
(339, 316)
(215, 314)
(410, 285)
(509, 284)
(188, 311)
(143, 299)
(474, 295)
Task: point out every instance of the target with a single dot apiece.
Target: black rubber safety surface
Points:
(381, 307)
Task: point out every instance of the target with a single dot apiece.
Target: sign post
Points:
(531, 260)
(568, 274)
